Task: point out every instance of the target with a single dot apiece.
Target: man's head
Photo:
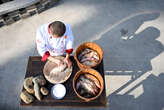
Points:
(57, 29)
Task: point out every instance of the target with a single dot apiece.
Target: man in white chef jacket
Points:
(55, 39)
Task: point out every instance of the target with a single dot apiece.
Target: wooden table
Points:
(35, 67)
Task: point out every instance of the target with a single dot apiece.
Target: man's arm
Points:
(67, 60)
(69, 45)
(42, 49)
(69, 40)
(40, 43)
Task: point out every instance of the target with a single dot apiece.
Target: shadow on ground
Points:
(152, 97)
(132, 56)
(135, 53)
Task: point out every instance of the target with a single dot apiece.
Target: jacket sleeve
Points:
(69, 41)
(45, 56)
(40, 42)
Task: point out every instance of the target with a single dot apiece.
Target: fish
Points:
(82, 92)
(87, 87)
(85, 51)
(86, 59)
(88, 95)
(90, 82)
(89, 57)
(89, 63)
(78, 85)
(60, 68)
(96, 56)
(94, 79)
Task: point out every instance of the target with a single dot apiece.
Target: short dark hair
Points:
(57, 28)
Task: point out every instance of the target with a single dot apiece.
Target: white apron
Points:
(57, 46)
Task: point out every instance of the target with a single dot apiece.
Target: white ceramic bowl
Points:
(58, 91)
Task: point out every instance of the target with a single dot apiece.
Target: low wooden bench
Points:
(35, 67)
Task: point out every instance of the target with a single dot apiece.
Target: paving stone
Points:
(13, 13)
(22, 10)
(25, 15)
(32, 13)
(31, 7)
(16, 18)
(1, 24)
(40, 8)
(9, 21)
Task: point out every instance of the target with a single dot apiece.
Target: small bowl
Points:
(58, 91)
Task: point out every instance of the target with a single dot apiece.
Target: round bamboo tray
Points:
(59, 77)
(94, 73)
(92, 46)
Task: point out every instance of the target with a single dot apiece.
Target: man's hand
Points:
(68, 61)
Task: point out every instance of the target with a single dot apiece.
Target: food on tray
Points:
(58, 75)
(37, 89)
(40, 80)
(26, 97)
(44, 91)
(89, 57)
(59, 68)
(87, 85)
(34, 86)
(28, 85)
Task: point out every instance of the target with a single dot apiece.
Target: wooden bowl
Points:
(92, 46)
(94, 73)
(59, 78)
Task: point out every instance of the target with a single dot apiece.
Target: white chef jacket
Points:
(55, 46)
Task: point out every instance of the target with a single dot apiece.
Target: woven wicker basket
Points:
(94, 73)
(92, 46)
